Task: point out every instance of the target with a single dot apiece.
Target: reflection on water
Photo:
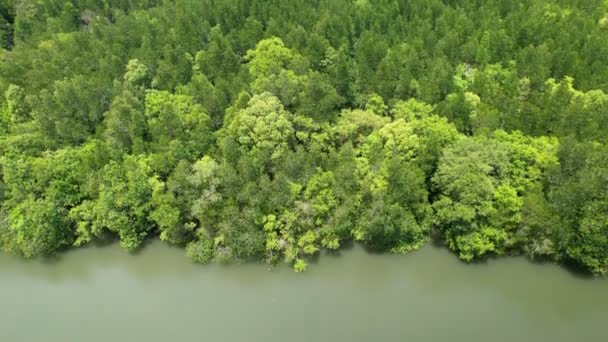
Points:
(104, 293)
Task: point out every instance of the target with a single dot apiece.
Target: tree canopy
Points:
(270, 130)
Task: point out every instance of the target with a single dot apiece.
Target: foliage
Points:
(271, 130)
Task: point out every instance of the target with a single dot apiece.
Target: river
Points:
(105, 294)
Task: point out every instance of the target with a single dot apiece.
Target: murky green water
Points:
(105, 294)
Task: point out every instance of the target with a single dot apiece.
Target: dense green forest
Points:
(269, 130)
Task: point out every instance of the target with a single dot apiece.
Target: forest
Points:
(270, 130)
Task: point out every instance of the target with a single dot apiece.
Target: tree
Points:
(589, 245)
(176, 129)
(218, 60)
(480, 183)
(37, 227)
(125, 124)
(205, 178)
(70, 112)
(201, 250)
(263, 129)
(276, 69)
(396, 215)
(123, 205)
(318, 99)
(577, 195)
(18, 108)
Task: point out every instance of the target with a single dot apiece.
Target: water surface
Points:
(105, 294)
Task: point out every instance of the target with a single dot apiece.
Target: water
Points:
(105, 294)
